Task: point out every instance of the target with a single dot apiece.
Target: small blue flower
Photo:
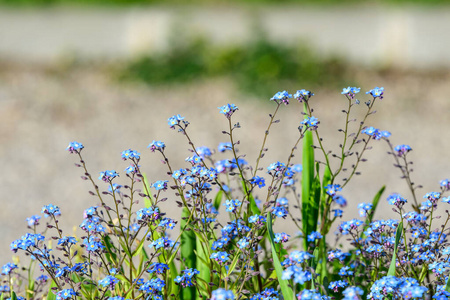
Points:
(156, 145)
(313, 236)
(282, 97)
(160, 185)
(401, 150)
(174, 120)
(332, 189)
(158, 268)
(352, 293)
(33, 220)
(51, 210)
(65, 294)
(75, 147)
(222, 294)
(130, 154)
(108, 175)
(228, 110)
(303, 95)
(376, 92)
(7, 268)
(259, 181)
(109, 282)
(311, 122)
(224, 147)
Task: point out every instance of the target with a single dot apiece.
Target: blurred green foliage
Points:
(260, 67)
(146, 2)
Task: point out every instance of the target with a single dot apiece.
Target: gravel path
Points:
(42, 110)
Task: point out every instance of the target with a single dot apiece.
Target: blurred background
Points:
(108, 74)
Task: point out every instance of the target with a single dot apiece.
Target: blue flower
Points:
(75, 147)
(174, 120)
(364, 208)
(160, 185)
(303, 95)
(232, 205)
(281, 237)
(445, 184)
(156, 145)
(222, 294)
(259, 181)
(220, 256)
(203, 151)
(401, 150)
(228, 110)
(51, 210)
(65, 294)
(376, 92)
(33, 220)
(376, 134)
(396, 199)
(352, 293)
(130, 154)
(224, 147)
(335, 285)
(332, 189)
(282, 97)
(350, 90)
(314, 236)
(186, 279)
(109, 282)
(280, 211)
(311, 122)
(108, 175)
(7, 268)
(67, 241)
(158, 268)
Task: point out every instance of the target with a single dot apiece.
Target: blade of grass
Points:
(285, 290)
(307, 181)
(188, 245)
(375, 201)
(51, 295)
(398, 236)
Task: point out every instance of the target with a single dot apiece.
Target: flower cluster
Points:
(226, 247)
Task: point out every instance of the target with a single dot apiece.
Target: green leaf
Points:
(398, 236)
(111, 256)
(375, 201)
(447, 286)
(188, 245)
(314, 202)
(202, 262)
(253, 207)
(285, 290)
(147, 201)
(218, 199)
(13, 296)
(51, 295)
(139, 248)
(307, 182)
(30, 290)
